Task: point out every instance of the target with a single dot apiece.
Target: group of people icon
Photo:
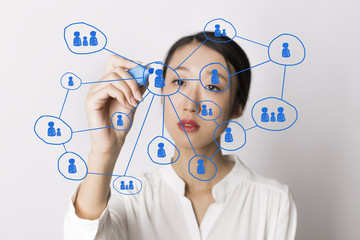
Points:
(280, 117)
(161, 151)
(129, 186)
(218, 32)
(72, 167)
(51, 130)
(285, 51)
(205, 112)
(84, 42)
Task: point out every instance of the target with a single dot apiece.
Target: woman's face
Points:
(199, 131)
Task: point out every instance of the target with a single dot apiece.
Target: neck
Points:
(181, 167)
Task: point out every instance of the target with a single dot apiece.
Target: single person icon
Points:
(77, 39)
(119, 121)
(159, 79)
(210, 112)
(51, 129)
(214, 77)
(72, 167)
(223, 33)
(200, 168)
(286, 51)
(126, 187)
(217, 32)
(264, 115)
(93, 39)
(85, 41)
(204, 111)
(58, 132)
(131, 185)
(280, 115)
(161, 151)
(272, 118)
(122, 185)
(71, 82)
(228, 135)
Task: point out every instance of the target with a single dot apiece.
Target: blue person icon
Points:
(217, 32)
(272, 118)
(214, 77)
(280, 115)
(204, 111)
(93, 39)
(131, 185)
(264, 115)
(228, 135)
(210, 112)
(285, 51)
(122, 185)
(200, 168)
(159, 79)
(85, 41)
(224, 33)
(77, 39)
(58, 133)
(72, 167)
(51, 129)
(71, 82)
(119, 121)
(161, 151)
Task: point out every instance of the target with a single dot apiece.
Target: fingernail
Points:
(138, 95)
(133, 101)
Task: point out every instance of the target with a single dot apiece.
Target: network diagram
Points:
(269, 113)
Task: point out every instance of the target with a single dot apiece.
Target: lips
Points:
(189, 125)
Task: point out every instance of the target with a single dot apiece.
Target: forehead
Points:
(200, 58)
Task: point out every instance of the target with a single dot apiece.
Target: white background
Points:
(318, 157)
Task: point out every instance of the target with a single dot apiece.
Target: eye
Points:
(213, 88)
(178, 82)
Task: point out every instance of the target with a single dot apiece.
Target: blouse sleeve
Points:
(287, 220)
(112, 224)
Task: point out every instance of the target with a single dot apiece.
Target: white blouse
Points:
(247, 206)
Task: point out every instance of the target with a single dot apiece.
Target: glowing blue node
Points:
(72, 167)
(208, 110)
(121, 121)
(160, 150)
(228, 140)
(127, 185)
(286, 49)
(215, 76)
(70, 81)
(77, 37)
(202, 168)
(282, 114)
(52, 130)
(221, 28)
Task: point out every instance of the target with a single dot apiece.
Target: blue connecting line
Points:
(139, 103)
(105, 174)
(139, 135)
(91, 129)
(67, 92)
(250, 67)
(163, 116)
(252, 41)
(189, 79)
(282, 90)
(216, 122)
(115, 80)
(251, 128)
(182, 125)
(215, 153)
(122, 56)
(64, 148)
(191, 54)
(187, 97)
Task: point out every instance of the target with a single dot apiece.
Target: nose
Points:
(190, 99)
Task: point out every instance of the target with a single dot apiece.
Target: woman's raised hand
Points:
(108, 97)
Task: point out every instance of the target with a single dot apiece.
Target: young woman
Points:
(236, 203)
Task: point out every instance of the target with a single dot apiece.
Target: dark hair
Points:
(233, 55)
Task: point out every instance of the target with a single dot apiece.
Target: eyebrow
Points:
(208, 72)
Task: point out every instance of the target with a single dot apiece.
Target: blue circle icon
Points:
(222, 81)
(233, 136)
(127, 185)
(202, 168)
(72, 167)
(120, 121)
(221, 28)
(70, 81)
(161, 149)
(52, 130)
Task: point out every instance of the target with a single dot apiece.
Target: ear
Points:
(237, 110)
